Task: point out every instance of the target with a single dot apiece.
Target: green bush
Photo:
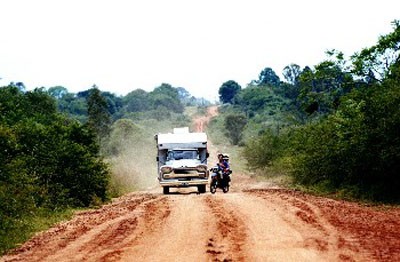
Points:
(357, 147)
(47, 161)
(262, 151)
(234, 125)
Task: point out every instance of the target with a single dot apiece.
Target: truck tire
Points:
(202, 189)
(166, 190)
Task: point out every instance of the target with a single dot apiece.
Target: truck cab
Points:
(182, 159)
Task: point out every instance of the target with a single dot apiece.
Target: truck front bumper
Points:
(183, 183)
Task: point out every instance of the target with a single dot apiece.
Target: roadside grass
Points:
(279, 172)
(24, 228)
(273, 175)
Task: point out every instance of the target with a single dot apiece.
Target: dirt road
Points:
(246, 225)
(251, 223)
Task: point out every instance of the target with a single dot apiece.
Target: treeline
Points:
(334, 127)
(164, 101)
(47, 161)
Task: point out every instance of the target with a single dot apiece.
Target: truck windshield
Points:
(182, 154)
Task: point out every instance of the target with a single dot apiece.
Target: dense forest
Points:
(333, 127)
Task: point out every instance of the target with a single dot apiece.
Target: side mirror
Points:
(207, 155)
(157, 159)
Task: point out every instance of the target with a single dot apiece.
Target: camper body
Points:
(182, 159)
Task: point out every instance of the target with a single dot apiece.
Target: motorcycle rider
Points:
(222, 164)
(220, 176)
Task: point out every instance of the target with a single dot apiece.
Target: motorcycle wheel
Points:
(213, 188)
(225, 189)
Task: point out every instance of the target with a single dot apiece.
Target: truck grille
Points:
(184, 174)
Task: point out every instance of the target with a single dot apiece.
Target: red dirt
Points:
(247, 225)
(372, 230)
(200, 123)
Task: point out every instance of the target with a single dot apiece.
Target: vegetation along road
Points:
(255, 221)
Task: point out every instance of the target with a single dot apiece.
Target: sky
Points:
(123, 45)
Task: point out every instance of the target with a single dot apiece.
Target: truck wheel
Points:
(201, 188)
(166, 190)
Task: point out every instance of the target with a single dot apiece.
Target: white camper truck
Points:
(182, 159)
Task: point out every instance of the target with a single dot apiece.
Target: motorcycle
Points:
(220, 179)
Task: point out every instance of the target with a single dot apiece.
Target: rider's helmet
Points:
(225, 157)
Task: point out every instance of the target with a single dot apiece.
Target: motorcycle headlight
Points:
(166, 169)
(214, 169)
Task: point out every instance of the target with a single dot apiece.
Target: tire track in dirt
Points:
(180, 237)
(371, 230)
(319, 222)
(110, 242)
(226, 244)
(270, 237)
(87, 230)
(324, 234)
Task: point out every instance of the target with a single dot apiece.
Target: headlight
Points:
(201, 169)
(166, 169)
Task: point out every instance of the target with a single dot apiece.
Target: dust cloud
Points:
(132, 157)
(132, 150)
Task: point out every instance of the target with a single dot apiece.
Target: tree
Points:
(99, 119)
(125, 136)
(40, 102)
(136, 101)
(11, 107)
(291, 73)
(47, 162)
(268, 77)
(16, 105)
(228, 91)
(167, 90)
(73, 106)
(253, 99)
(321, 89)
(355, 149)
(114, 103)
(166, 97)
(376, 62)
(264, 150)
(184, 95)
(57, 91)
(234, 125)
